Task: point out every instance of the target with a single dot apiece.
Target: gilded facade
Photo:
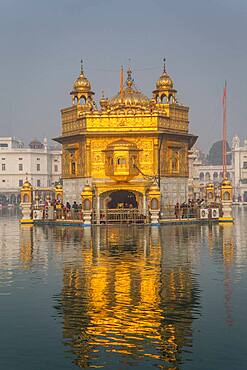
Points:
(129, 143)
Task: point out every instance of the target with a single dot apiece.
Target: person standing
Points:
(177, 210)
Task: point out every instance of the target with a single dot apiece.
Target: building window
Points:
(245, 165)
(174, 160)
(73, 168)
(3, 159)
(38, 183)
(38, 167)
(20, 159)
(20, 183)
(20, 167)
(201, 176)
(226, 196)
(3, 180)
(87, 204)
(56, 168)
(3, 145)
(133, 159)
(38, 159)
(110, 161)
(154, 203)
(3, 167)
(121, 161)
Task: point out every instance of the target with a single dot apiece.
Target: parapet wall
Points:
(173, 190)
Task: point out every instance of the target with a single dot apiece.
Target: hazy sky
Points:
(42, 43)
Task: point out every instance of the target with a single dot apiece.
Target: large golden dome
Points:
(82, 84)
(164, 82)
(129, 97)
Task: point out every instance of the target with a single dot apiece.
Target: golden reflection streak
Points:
(26, 245)
(228, 251)
(126, 296)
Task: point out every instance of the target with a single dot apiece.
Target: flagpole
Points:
(224, 150)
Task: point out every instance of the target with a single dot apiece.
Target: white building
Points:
(239, 165)
(37, 162)
(200, 174)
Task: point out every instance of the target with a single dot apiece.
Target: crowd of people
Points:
(191, 208)
(66, 211)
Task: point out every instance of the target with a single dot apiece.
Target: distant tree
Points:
(215, 153)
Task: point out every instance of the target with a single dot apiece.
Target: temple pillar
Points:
(87, 204)
(210, 193)
(139, 201)
(154, 204)
(59, 193)
(26, 203)
(144, 204)
(226, 201)
(97, 209)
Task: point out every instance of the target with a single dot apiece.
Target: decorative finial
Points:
(82, 66)
(164, 68)
(103, 101)
(129, 78)
(121, 82)
(129, 72)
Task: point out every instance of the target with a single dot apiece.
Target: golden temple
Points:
(131, 151)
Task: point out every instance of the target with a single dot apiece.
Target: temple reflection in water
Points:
(129, 294)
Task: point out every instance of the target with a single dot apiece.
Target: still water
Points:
(117, 298)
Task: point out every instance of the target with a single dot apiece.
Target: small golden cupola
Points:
(82, 95)
(129, 97)
(165, 93)
(104, 101)
(121, 159)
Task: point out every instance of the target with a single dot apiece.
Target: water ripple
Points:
(135, 296)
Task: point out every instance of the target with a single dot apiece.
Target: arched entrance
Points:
(121, 206)
(122, 199)
(3, 199)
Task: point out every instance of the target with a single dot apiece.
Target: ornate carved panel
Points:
(98, 160)
(121, 123)
(73, 160)
(174, 159)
